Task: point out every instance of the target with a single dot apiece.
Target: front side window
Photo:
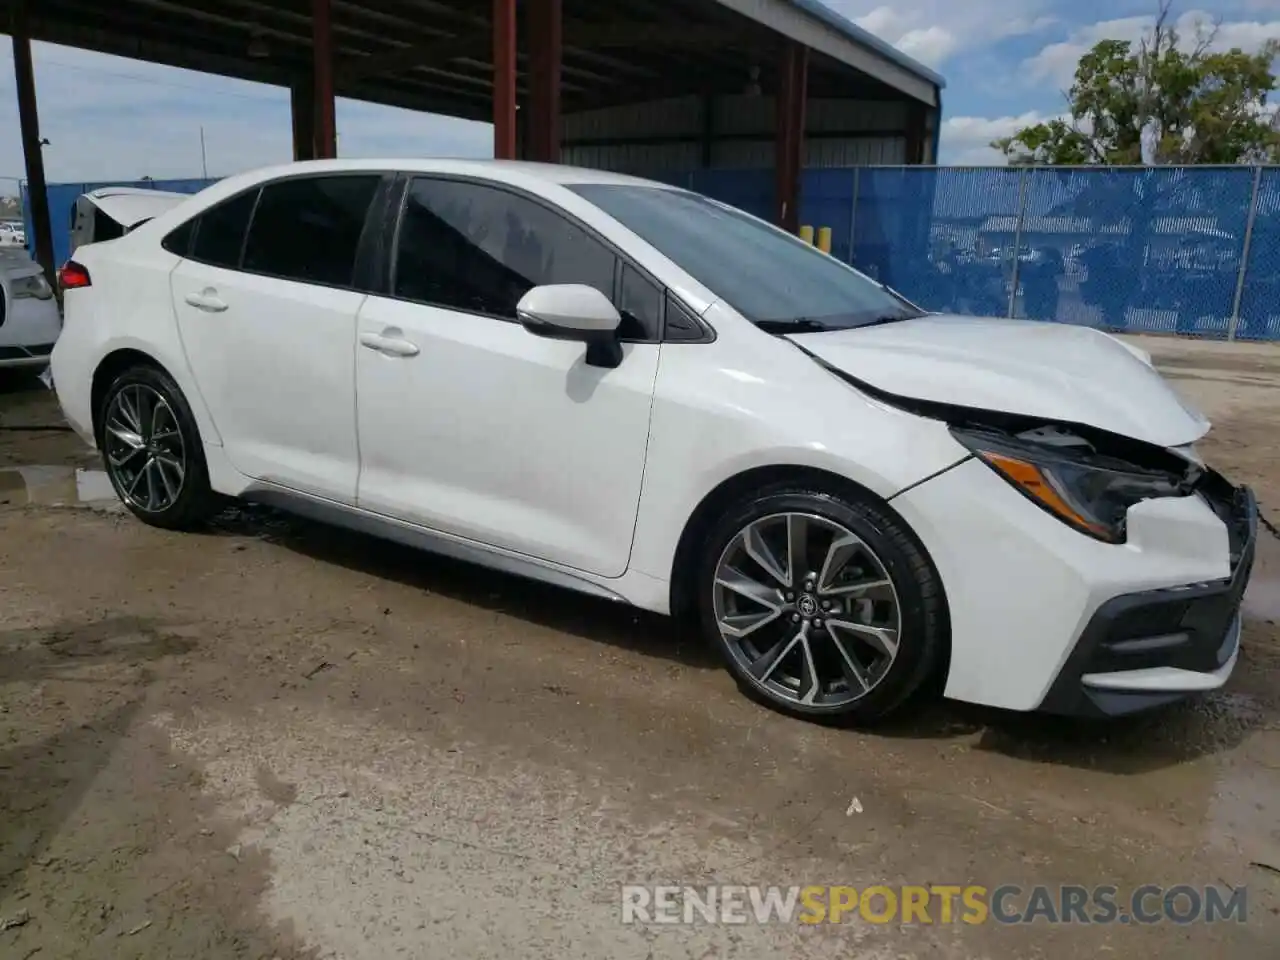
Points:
(640, 304)
(778, 282)
(478, 248)
(220, 231)
(309, 228)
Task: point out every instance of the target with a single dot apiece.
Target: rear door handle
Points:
(207, 300)
(391, 346)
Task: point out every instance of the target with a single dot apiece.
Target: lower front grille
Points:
(26, 353)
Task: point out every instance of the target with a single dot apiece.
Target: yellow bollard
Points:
(824, 239)
(806, 234)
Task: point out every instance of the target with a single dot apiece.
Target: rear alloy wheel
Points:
(151, 450)
(821, 606)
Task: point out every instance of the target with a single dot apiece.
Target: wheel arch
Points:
(128, 352)
(111, 366)
(734, 488)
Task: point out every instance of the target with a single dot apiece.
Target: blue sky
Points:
(1006, 63)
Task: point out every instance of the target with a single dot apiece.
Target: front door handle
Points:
(391, 346)
(207, 300)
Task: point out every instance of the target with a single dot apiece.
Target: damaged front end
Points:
(1086, 477)
(1137, 649)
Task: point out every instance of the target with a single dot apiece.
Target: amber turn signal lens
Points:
(1031, 480)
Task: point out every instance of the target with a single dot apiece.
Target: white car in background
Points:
(29, 319)
(111, 212)
(634, 391)
(12, 234)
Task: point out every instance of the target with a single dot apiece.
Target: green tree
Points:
(1191, 104)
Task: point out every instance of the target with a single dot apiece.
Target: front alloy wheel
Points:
(807, 609)
(824, 603)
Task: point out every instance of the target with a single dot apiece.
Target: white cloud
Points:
(932, 31)
(966, 141)
(1057, 61)
(1247, 36)
(931, 45)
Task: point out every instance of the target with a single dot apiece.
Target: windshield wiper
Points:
(795, 325)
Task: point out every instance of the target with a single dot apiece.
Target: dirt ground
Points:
(280, 740)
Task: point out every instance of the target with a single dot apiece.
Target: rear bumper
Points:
(1146, 649)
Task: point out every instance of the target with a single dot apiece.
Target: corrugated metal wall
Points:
(673, 135)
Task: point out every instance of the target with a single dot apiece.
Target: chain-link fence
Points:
(1188, 250)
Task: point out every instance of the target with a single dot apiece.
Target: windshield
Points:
(778, 282)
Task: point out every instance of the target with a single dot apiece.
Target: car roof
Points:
(510, 171)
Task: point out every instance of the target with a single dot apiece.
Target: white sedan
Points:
(29, 320)
(12, 234)
(630, 390)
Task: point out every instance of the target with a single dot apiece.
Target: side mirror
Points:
(574, 311)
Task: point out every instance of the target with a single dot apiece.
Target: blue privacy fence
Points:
(1189, 250)
(62, 198)
(1144, 250)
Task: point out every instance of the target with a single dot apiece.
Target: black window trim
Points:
(400, 197)
(361, 268)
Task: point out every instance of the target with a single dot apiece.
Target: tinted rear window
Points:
(220, 234)
(309, 229)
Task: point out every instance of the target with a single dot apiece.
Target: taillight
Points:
(73, 275)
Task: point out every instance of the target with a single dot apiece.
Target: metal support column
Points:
(853, 213)
(1234, 322)
(789, 135)
(32, 144)
(708, 138)
(302, 105)
(917, 124)
(504, 79)
(546, 32)
(326, 129)
(1017, 240)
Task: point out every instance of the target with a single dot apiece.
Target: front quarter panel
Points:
(751, 400)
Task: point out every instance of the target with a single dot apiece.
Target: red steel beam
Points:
(302, 108)
(545, 54)
(504, 79)
(789, 135)
(326, 128)
(32, 148)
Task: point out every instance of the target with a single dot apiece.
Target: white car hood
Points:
(1056, 371)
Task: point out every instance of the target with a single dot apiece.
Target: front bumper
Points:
(1146, 649)
(1024, 591)
(35, 355)
(28, 332)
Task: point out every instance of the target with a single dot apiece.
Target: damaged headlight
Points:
(34, 286)
(1063, 475)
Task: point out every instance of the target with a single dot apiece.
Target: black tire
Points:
(194, 502)
(923, 633)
